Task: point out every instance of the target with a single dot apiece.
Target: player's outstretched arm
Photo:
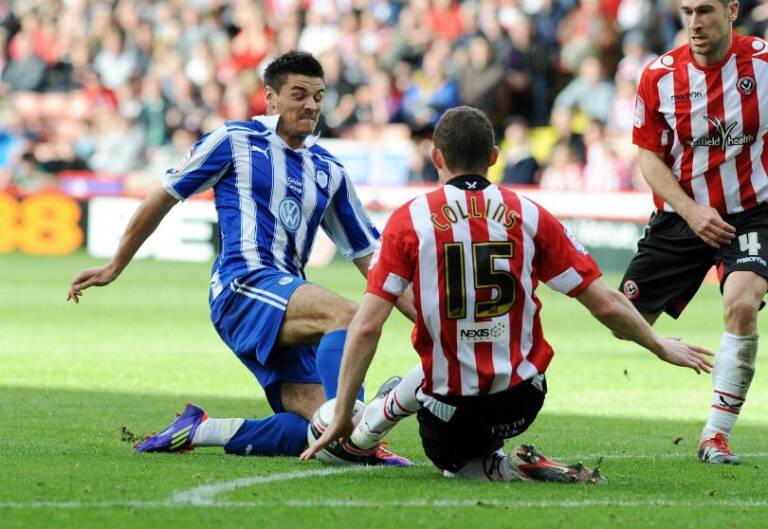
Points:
(360, 346)
(703, 220)
(146, 219)
(615, 311)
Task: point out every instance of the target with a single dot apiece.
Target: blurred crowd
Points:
(122, 88)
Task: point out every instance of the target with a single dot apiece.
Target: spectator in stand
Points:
(430, 93)
(480, 80)
(153, 107)
(586, 32)
(546, 21)
(635, 56)
(114, 63)
(589, 92)
(444, 19)
(562, 172)
(98, 97)
(318, 34)
(252, 43)
(621, 114)
(25, 71)
(603, 171)
(516, 164)
(409, 42)
(40, 35)
(561, 123)
(492, 30)
(118, 145)
(528, 72)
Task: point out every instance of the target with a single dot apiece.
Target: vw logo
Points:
(290, 213)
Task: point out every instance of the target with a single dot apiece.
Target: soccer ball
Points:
(335, 453)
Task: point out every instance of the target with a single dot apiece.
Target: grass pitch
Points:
(72, 378)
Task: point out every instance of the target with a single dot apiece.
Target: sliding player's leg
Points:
(279, 434)
(315, 315)
(283, 433)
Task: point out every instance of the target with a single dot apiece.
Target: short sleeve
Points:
(563, 263)
(649, 127)
(346, 221)
(207, 161)
(394, 263)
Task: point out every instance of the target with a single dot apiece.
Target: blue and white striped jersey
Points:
(271, 199)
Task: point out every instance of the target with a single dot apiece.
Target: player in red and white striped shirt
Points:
(475, 253)
(701, 123)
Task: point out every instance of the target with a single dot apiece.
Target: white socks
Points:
(496, 466)
(731, 377)
(216, 432)
(382, 415)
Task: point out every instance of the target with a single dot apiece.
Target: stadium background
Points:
(100, 98)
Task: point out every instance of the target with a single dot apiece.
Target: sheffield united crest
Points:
(745, 85)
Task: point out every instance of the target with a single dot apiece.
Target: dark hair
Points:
(296, 62)
(465, 137)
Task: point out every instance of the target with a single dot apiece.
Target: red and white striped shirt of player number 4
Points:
(710, 122)
(475, 258)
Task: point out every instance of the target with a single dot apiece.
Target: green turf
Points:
(129, 355)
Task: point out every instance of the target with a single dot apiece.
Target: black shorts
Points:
(479, 424)
(672, 261)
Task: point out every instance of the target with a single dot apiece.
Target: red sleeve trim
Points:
(648, 145)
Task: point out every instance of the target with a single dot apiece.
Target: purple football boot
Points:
(382, 456)
(177, 437)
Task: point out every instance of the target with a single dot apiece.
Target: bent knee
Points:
(350, 309)
(342, 314)
(302, 399)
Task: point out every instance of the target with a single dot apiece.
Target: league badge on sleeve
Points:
(322, 179)
(184, 161)
(575, 242)
(639, 112)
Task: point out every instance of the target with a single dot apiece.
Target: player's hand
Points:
(90, 277)
(679, 353)
(707, 223)
(339, 427)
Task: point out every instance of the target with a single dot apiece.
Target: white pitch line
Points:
(418, 503)
(204, 494)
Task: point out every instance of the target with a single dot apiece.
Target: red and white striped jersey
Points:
(475, 253)
(710, 122)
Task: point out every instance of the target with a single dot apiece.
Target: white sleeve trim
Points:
(566, 281)
(171, 191)
(395, 284)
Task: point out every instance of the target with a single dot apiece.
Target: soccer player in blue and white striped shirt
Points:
(274, 187)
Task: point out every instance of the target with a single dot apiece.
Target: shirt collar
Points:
(470, 182)
(271, 123)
